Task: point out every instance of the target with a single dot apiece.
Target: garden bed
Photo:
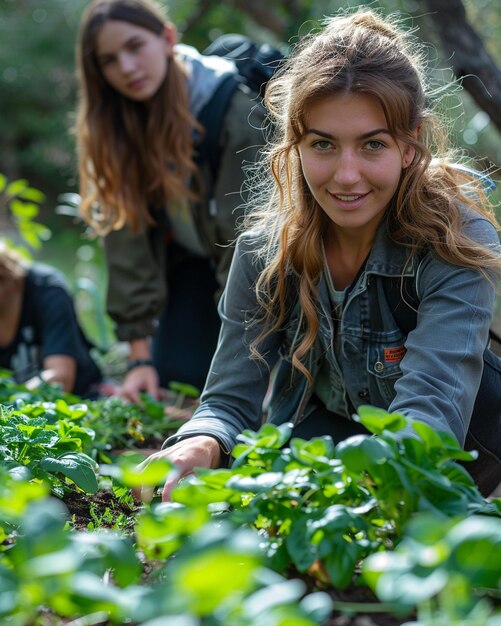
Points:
(366, 533)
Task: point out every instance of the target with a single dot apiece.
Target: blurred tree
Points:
(471, 61)
(38, 91)
(38, 87)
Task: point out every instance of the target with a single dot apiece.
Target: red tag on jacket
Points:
(392, 355)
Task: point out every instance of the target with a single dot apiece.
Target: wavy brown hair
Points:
(132, 156)
(357, 52)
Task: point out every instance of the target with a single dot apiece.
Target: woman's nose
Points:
(347, 170)
(126, 63)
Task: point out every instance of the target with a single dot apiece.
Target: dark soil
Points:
(104, 503)
(362, 595)
(105, 507)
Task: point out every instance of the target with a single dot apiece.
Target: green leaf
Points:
(16, 187)
(116, 553)
(214, 575)
(360, 452)
(255, 484)
(3, 182)
(193, 492)
(316, 451)
(268, 436)
(31, 194)
(24, 210)
(476, 550)
(377, 420)
(265, 600)
(303, 552)
(440, 441)
(29, 235)
(62, 408)
(408, 588)
(161, 530)
(152, 474)
(183, 388)
(80, 468)
(341, 561)
(318, 606)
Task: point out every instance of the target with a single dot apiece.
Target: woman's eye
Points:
(105, 61)
(322, 144)
(375, 145)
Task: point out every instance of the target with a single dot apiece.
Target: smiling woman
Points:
(352, 166)
(361, 201)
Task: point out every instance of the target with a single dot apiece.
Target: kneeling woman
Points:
(356, 198)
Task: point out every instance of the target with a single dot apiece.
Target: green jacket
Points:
(136, 264)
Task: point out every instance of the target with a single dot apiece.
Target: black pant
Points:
(485, 471)
(188, 329)
(323, 422)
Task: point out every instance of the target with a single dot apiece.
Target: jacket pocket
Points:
(386, 351)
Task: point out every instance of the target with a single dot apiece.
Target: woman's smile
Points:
(350, 161)
(349, 201)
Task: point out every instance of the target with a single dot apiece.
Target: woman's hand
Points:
(199, 451)
(141, 379)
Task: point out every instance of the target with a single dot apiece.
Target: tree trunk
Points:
(470, 60)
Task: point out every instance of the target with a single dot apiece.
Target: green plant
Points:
(228, 549)
(319, 504)
(217, 577)
(440, 566)
(119, 424)
(111, 422)
(20, 203)
(183, 391)
(107, 518)
(47, 447)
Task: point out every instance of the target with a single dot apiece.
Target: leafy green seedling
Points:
(183, 391)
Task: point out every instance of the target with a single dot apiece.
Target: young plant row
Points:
(49, 573)
(395, 513)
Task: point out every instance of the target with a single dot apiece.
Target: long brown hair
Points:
(132, 157)
(357, 52)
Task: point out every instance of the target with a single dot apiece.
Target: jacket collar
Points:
(388, 258)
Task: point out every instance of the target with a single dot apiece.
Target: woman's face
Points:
(134, 60)
(351, 163)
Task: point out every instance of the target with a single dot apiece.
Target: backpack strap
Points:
(211, 117)
(401, 296)
(255, 64)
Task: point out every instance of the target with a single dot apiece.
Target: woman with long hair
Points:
(360, 189)
(166, 217)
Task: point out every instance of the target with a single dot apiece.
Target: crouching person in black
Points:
(40, 338)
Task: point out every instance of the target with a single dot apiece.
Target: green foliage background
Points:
(39, 91)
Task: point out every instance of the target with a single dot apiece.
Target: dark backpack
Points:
(484, 434)
(255, 64)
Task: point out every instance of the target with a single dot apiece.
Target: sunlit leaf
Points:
(15, 187)
(80, 468)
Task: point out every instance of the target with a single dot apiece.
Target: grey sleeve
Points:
(236, 385)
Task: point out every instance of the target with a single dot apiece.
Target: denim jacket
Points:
(432, 375)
